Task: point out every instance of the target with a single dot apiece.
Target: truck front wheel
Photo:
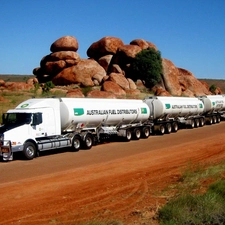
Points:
(29, 150)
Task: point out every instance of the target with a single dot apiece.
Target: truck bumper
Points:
(17, 148)
(6, 150)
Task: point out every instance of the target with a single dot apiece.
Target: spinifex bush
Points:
(208, 208)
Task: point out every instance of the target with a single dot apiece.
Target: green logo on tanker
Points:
(143, 111)
(78, 111)
(24, 105)
(168, 106)
(200, 106)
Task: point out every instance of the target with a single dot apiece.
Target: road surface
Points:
(120, 181)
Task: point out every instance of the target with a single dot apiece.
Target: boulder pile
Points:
(18, 86)
(107, 66)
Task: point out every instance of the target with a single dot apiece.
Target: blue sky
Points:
(190, 33)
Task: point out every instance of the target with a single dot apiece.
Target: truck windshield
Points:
(15, 119)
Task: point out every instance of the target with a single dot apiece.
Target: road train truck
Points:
(170, 113)
(43, 124)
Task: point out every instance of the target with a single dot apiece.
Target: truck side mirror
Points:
(4, 115)
(37, 119)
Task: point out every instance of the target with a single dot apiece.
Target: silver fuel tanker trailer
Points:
(214, 108)
(168, 113)
(43, 124)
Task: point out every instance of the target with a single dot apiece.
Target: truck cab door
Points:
(44, 123)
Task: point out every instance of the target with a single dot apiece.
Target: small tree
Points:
(212, 88)
(147, 66)
(48, 86)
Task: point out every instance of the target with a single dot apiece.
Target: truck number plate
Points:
(4, 150)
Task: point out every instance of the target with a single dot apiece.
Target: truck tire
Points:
(175, 127)
(162, 129)
(88, 141)
(218, 119)
(209, 120)
(145, 132)
(29, 150)
(128, 135)
(192, 124)
(214, 119)
(202, 122)
(136, 133)
(168, 128)
(76, 143)
(197, 123)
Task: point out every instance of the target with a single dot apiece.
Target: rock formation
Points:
(107, 66)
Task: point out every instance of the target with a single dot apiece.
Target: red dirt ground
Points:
(111, 182)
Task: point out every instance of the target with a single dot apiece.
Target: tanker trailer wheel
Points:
(29, 150)
(218, 119)
(202, 122)
(175, 127)
(162, 129)
(192, 124)
(197, 123)
(88, 141)
(76, 142)
(137, 133)
(214, 119)
(128, 135)
(209, 120)
(145, 132)
(168, 128)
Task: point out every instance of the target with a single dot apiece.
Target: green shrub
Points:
(212, 88)
(36, 87)
(48, 86)
(147, 66)
(202, 209)
(218, 188)
(85, 90)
